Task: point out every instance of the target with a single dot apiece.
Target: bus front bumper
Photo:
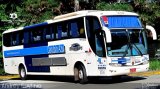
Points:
(114, 71)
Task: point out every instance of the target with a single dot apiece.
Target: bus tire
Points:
(80, 74)
(22, 73)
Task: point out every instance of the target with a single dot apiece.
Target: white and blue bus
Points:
(81, 44)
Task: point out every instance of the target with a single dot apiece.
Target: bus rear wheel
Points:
(22, 73)
(80, 74)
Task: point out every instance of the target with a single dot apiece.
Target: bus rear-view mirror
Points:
(108, 35)
(153, 33)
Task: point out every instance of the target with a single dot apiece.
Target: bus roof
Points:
(94, 13)
(76, 15)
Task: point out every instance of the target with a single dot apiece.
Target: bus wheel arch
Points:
(22, 72)
(80, 74)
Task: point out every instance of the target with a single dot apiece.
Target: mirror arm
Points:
(154, 34)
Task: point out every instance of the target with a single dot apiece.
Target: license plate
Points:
(132, 70)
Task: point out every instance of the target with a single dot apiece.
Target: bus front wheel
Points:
(22, 73)
(80, 74)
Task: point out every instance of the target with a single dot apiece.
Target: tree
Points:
(11, 5)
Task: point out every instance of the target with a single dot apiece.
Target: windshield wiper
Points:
(137, 49)
(126, 50)
(128, 44)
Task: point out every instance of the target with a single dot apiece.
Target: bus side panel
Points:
(58, 68)
(76, 54)
(11, 64)
(92, 64)
(71, 56)
(31, 68)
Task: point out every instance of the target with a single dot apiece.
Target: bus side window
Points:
(65, 29)
(74, 29)
(36, 35)
(81, 30)
(81, 33)
(59, 34)
(27, 37)
(14, 37)
(53, 31)
(21, 38)
(7, 39)
(62, 29)
(48, 34)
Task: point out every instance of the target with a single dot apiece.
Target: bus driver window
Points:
(81, 33)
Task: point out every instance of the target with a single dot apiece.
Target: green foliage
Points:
(2, 13)
(30, 11)
(2, 72)
(154, 64)
(115, 6)
(37, 14)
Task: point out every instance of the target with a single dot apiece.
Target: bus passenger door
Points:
(97, 60)
(100, 51)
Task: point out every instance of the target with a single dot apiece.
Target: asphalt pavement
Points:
(50, 82)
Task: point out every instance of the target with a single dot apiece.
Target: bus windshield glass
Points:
(127, 42)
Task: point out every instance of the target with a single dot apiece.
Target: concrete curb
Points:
(8, 77)
(145, 74)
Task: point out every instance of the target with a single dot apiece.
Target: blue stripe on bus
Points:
(121, 60)
(36, 25)
(55, 49)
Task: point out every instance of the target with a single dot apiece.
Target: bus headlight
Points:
(115, 64)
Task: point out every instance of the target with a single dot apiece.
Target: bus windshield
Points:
(127, 42)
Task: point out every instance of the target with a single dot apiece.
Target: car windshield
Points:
(127, 42)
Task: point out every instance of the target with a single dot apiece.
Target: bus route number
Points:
(56, 49)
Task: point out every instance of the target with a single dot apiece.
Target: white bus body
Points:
(65, 53)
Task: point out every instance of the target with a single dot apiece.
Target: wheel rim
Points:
(80, 74)
(23, 73)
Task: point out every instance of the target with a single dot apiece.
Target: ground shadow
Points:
(109, 80)
(92, 80)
